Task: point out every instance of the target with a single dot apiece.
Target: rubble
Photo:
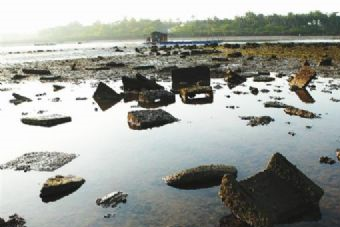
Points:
(139, 83)
(105, 96)
(39, 161)
(301, 79)
(185, 77)
(200, 177)
(155, 98)
(46, 120)
(256, 121)
(279, 194)
(234, 79)
(112, 199)
(59, 186)
(144, 119)
(18, 99)
(299, 112)
(189, 94)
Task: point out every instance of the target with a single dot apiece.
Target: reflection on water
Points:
(115, 158)
(304, 96)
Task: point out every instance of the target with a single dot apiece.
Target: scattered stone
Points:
(327, 160)
(39, 161)
(275, 104)
(200, 177)
(155, 98)
(234, 79)
(140, 83)
(264, 79)
(256, 121)
(144, 119)
(254, 90)
(308, 127)
(301, 79)
(37, 71)
(13, 221)
(334, 99)
(106, 97)
(275, 196)
(292, 133)
(327, 61)
(57, 87)
(46, 120)
(56, 99)
(60, 186)
(188, 95)
(299, 112)
(18, 99)
(185, 77)
(112, 199)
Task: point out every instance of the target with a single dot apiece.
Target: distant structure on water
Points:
(158, 37)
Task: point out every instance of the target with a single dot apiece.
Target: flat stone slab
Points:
(155, 98)
(143, 119)
(106, 97)
(279, 194)
(263, 79)
(256, 121)
(301, 79)
(184, 77)
(18, 99)
(58, 187)
(275, 104)
(300, 112)
(112, 199)
(188, 94)
(46, 120)
(200, 177)
(139, 83)
(37, 71)
(39, 161)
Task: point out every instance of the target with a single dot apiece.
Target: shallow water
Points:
(113, 157)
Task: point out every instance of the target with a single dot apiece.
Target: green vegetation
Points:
(313, 23)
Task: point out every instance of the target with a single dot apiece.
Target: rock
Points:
(263, 79)
(18, 99)
(299, 112)
(113, 64)
(19, 77)
(105, 96)
(291, 133)
(218, 86)
(112, 199)
(185, 77)
(255, 121)
(265, 91)
(304, 95)
(254, 90)
(235, 54)
(302, 78)
(39, 161)
(327, 61)
(13, 221)
(200, 177)
(144, 67)
(46, 120)
(275, 104)
(144, 119)
(50, 78)
(189, 94)
(98, 68)
(279, 194)
(334, 99)
(327, 160)
(155, 98)
(234, 79)
(57, 87)
(338, 154)
(139, 83)
(37, 71)
(220, 59)
(60, 186)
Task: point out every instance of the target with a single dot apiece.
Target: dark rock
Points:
(292, 133)
(46, 120)
(13, 221)
(275, 104)
(113, 64)
(302, 78)
(234, 79)
(264, 79)
(155, 98)
(265, 91)
(327, 61)
(327, 160)
(184, 77)
(57, 87)
(299, 112)
(263, 73)
(144, 119)
(60, 186)
(278, 195)
(19, 77)
(189, 94)
(255, 121)
(39, 161)
(98, 68)
(334, 99)
(112, 199)
(106, 97)
(50, 78)
(18, 99)
(37, 71)
(218, 86)
(254, 90)
(139, 83)
(200, 177)
(220, 59)
(144, 67)
(235, 54)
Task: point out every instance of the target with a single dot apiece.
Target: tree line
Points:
(251, 24)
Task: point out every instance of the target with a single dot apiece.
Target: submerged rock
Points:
(112, 199)
(155, 98)
(200, 177)
(279, 194)
(37, 71)
(255, 121)
(299, 112)
(105, 96)
(18, 99)
(46, 120)
(39, 161)
(327, 160)
(143, 119)
(189, 94)
(13, 221)
(186, 77)
(275, 104)
(60, 186)
(302, 78)
(234, 79)
(139, 83)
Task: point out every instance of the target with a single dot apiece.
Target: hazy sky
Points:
(31, 15)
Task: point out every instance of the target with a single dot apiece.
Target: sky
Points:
(22, 16)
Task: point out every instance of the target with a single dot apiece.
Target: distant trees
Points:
(251, 24)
